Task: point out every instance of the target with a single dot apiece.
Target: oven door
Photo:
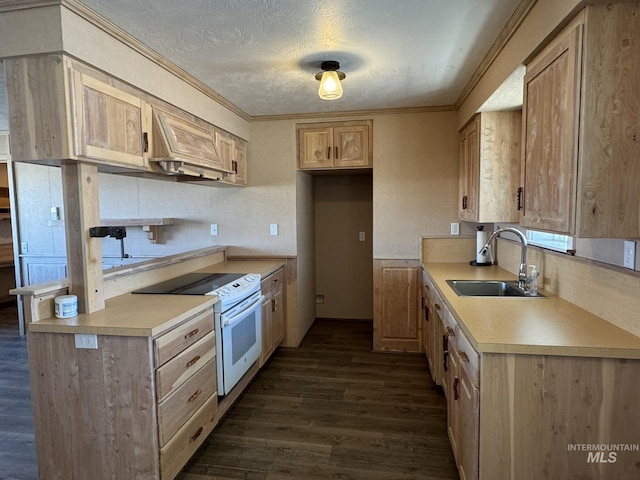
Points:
(239, 332)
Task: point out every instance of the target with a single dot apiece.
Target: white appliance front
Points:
(238, 341)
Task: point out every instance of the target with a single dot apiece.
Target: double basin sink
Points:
(490, 288)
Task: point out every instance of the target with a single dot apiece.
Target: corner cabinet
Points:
(342, 145)
(273, 314)
(397, 324)
(581, 122)
(489, 158)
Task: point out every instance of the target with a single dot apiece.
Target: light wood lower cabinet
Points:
(433, 330)
(135, 407)
(397, 324)
(273, 314)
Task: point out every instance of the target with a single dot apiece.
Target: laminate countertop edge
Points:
(535, 326)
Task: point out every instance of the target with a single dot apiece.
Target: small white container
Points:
(66, 306)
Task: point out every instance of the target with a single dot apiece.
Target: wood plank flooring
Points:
(17, 446)
(332, 409)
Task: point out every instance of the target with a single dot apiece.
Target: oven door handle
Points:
(236, 317)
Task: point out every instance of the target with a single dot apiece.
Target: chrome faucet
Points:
(523, 281)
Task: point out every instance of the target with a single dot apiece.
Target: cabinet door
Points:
(396, 316)
(470, 171)
(550, 132)
(468, 417)
(267, 327)
(453, 400)
(227, 150)
(315, 148)
(351, 146)
(239, 177)
(108, 123)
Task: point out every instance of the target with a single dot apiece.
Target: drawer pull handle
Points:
(196, 435)
(437, 307)
(463, 356)
(451, 332)
(275, 280)
(195, 395)
(192, 333)
(193, 361)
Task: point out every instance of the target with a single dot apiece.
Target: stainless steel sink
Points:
(489, 288)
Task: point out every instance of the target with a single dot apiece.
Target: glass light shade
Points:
(330, 88)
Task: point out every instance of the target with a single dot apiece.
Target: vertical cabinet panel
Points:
(551, 132)
(397, 320)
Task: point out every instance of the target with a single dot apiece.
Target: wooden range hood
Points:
(182, 148)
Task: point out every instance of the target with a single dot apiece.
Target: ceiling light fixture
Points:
(330, 88)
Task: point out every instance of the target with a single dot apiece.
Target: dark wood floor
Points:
(332, 409)
(17, 447)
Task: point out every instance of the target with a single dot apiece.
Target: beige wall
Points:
(344, 264)
(415, 181)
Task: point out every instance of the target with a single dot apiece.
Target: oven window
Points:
(243, 337)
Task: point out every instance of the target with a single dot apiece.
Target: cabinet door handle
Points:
(192, 333)
(275, 280)
(520, 191)
(464, 202)
(456, 383)
(195, 395)
(463, 356)
(234, 166)
(445, 352)
(273, 305)
(328, 153)
(196, 435)
(336, 150)
(193, 361)
(145, 142)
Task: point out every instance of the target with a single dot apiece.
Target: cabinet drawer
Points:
(176, 371)
(469, 358)
(183, 445)
(178, 407)
(272, 281)
(170, 344)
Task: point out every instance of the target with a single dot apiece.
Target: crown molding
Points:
(353, 113)
(521, 12)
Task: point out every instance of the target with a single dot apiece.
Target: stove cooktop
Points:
(192, 284)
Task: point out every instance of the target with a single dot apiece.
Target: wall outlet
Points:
(24, 247)
(629, 254)
(319, 299)
(55, 213)
(455, 228)
(273, 229)
(86, 341)
(214, 229)
(361, 236)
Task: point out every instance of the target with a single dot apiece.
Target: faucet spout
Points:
(522, 273)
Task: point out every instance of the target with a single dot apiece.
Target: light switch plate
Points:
(273, 229)
(214, 229)
(361, 236)
(455, 229)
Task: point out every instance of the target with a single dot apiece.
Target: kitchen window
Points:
(552, 241)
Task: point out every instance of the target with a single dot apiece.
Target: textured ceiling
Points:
(262, 55)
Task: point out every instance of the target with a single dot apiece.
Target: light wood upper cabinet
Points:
(489, 175)
(335, 145)
(233, 153)
(110, 125)
(581, 122)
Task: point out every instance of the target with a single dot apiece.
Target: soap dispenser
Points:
(533, 286)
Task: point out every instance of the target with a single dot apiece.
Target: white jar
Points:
(66, 306)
